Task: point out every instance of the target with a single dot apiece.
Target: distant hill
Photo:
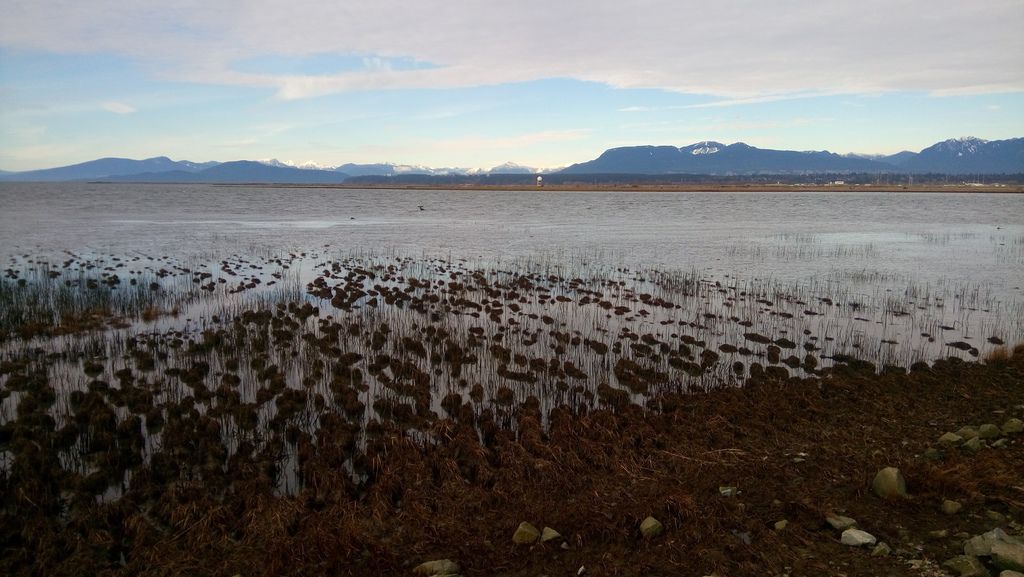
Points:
(898, 159)
(107, 167)
(367, 169)
(716, 158)
(239, 171)
(969, 156)
(960, 156)
(894, 159)
(512, 168)
(386, 169)
(954, 156)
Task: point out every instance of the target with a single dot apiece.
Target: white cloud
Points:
(738, 50)
(118, 107)
(755, 100)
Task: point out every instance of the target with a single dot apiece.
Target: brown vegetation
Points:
(593, 476)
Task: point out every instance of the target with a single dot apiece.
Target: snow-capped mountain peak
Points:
(512, 168)
(308, 165)
(706, 147)
(962, 145)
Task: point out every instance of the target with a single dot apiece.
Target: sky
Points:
(477, 83)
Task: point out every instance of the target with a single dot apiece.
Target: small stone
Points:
(967, 433)
(966, 566)
(525, 534)
(889, 483)
(1013, 426)
(1009, 573)
(951, 507)
(549, 534)
(439, 567)
(857, 538)
(951, 439)
(1008, 556)
(840, 522)
(939, 534)
(999, 443)
(981, 545)
(881, 550)
(780, 525)
(989, 431)
(995, 516)
(932, 454)
(651, 528)
(973, 445)
(728, 491)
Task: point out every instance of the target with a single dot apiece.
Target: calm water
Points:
(922, 238)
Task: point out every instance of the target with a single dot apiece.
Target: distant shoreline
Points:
(751, 187)
(598, 187)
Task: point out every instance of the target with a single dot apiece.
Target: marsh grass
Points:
(256, 357)
(42, 301)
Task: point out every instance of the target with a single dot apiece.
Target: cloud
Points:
(738, 50)
(755, 100)
(118, 108)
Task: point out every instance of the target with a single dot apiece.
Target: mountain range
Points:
(106, 167)
(238, 171)
(960, 156)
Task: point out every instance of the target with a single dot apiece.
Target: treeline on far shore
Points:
(647, 180)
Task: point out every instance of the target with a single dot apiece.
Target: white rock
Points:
(549, 534)
(857, 538)
(1008, 556)
(840, 522)
(981, 546)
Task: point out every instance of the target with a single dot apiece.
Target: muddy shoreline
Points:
(795, 450)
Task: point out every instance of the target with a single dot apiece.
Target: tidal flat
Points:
(359, 411)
